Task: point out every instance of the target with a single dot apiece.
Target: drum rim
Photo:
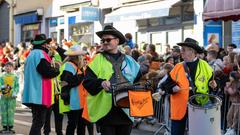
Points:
(219, 103)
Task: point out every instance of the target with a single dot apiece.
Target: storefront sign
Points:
(53, 22)
(30, 27)
(72, 20)
(89, 13)
(236, 33)
(26, 18)
(213, 33)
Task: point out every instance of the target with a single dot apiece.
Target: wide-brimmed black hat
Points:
(189, 42)
(108, 29)
(41, 39)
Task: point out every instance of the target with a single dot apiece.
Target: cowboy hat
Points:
(110, 30)
(74, 51)
(189, 42)
(40, 39)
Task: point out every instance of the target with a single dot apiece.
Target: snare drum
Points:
(206, 119)
(120, 97)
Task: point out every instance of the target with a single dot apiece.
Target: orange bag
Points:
(141, 104)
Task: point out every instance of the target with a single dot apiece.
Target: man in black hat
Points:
(37, 92)
(107, 68)
(190, 77)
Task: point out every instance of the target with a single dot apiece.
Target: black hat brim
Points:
(191, 45)
(117, 34)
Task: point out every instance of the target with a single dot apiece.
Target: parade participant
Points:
(70, 93)
(107, 68)
(57, 55)
(198, 78)
(38, 90)
(9, 88)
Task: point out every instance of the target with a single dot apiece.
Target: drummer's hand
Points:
(161, 92)
(63, 83)
(176, 89)
(106, 85)
(213, 84)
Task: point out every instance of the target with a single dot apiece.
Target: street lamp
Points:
(40, 13)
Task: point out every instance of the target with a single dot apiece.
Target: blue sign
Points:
(89, 13)
(72, 20)
(213, 33)
(236, 33)
(26, 18)
(53, 22)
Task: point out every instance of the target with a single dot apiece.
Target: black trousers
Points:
(58, 119)
(115, 129)
(178, 126)
(76, 121)
(38, 118)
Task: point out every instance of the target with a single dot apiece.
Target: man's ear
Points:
(118, 41)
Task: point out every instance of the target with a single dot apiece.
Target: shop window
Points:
(187, 32)
(81, 33)
(172, 20)
(159, 39)
(54, 35)
(142, 24)
(29, 32)
(174, 37)
(154, 22)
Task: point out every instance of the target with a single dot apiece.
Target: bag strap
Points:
(189, 77)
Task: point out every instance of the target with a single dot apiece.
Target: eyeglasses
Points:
(106, 39)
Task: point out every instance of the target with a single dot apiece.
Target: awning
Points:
(222, 10)
(136, 12)
(30, 17)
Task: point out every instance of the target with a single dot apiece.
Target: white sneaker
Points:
(230, 131)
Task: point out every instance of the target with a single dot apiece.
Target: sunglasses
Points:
(106, 39)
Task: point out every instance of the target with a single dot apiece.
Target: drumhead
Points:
(213, 102)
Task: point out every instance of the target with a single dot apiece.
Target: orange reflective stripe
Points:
(85, 112)
(179, 100)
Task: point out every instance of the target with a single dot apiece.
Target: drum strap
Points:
(117, 64)
(192, 88)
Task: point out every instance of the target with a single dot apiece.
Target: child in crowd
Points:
(9, 90)
(232, 89)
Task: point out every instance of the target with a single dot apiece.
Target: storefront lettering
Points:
(31, 27)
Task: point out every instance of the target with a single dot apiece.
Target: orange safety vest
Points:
(179, 100)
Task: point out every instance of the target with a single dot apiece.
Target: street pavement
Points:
(23, 118)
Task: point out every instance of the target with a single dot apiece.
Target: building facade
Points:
(4, 24)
